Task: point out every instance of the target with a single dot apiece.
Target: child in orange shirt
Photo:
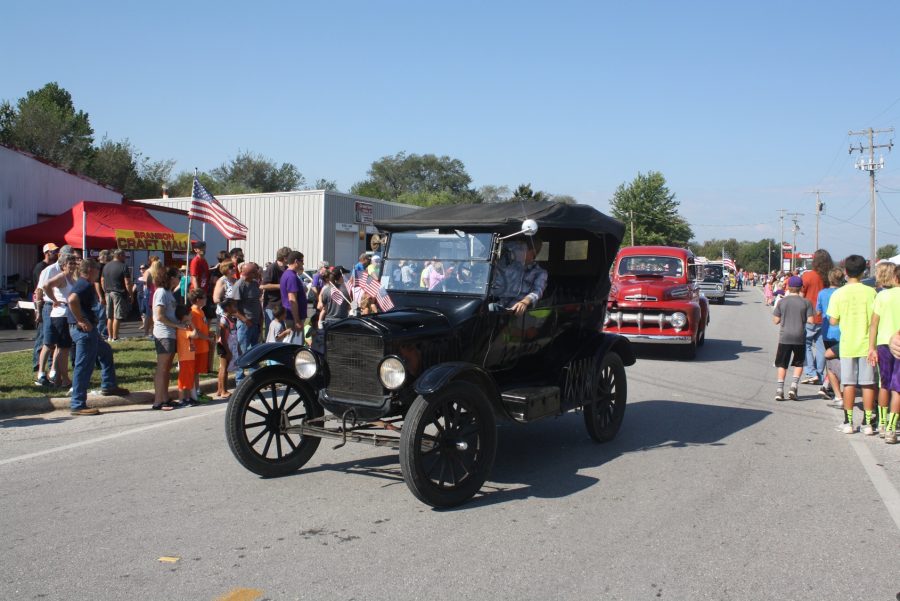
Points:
(186, 353)
(197, 299)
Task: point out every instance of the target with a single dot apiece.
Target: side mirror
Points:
(529, 228)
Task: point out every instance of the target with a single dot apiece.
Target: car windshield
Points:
(651, 265)
(712, 273)
(452, 262)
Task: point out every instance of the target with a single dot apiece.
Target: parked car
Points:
(655, 298)
(431, 376)
(711, 279)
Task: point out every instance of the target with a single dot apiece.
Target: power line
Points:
(888, 209)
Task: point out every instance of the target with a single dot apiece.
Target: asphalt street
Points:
(711, 491)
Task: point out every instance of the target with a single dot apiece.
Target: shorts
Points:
(888, 368)
(830, 344)
(834, 366)
(186, 374)
(58, 333)
(783, 355)
(221, 350)
(165, 346)
(856, 371)
(117, 305)
(201, 363)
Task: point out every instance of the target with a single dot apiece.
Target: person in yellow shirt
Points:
(851, 308)
(886, 321)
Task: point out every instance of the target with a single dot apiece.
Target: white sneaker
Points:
(846, 429)
(867, 429)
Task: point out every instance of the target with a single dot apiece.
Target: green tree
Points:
(563, 198)
(525, 193)
(183, 184)
(120, 165)
(405, 177)
(648, 204)
(249, 172)
(46, 124)
(491, 193)
(887, 251)
(325, 184)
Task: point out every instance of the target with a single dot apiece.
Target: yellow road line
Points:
(241, 594)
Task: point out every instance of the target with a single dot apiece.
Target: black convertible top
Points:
(507, 218)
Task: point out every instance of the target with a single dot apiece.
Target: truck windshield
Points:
(712, 273)
(650, 265)
(434, 261)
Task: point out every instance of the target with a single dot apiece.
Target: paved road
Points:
(711, 491)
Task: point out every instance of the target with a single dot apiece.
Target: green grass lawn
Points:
(135, 365)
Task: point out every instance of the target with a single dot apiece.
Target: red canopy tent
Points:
(102, 219)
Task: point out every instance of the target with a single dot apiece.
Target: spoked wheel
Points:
(448, 444)
(263, 406)
(604, 414)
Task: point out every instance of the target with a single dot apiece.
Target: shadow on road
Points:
(546, 457)
(713, 351)
(22, 422)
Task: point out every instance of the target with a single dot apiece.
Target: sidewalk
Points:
(43, 404)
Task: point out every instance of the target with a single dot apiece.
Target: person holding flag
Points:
(334, 304)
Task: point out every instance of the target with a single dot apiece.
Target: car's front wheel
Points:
(448, 444)
(266, 403)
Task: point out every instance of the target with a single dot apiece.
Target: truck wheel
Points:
(701, 336)
(265, 403)
(447, 444)
(604, 414)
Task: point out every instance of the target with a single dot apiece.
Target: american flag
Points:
(205, 207)
(337, 295)
(728, 262)
(372, 286)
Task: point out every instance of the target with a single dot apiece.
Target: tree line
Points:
(46, 123)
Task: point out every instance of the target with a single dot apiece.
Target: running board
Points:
(345, 436)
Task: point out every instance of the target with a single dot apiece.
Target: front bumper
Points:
(657, 338)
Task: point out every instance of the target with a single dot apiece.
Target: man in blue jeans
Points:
(248, 296)
(90, 346)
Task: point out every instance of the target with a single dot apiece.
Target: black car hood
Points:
(400, 323)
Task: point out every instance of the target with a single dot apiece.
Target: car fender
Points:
(618, 344)
(279, 352)
(438, 376)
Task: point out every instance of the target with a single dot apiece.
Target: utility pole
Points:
(795, 229)
(820, 208)
(632, 228)
(770, 258)
(870, 165)
(781, 213)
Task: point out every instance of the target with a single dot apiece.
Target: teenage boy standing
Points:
(851, 307)
(792, 313)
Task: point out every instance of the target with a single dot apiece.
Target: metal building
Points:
(31, 191)
(322, 224)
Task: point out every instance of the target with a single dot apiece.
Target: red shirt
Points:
(812, 286)
(200, 270)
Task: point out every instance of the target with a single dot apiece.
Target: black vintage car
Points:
(431, 376)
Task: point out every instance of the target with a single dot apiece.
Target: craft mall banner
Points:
(162, 241)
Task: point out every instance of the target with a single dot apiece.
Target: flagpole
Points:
(84, 252)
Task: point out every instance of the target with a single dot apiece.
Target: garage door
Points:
(346, 249)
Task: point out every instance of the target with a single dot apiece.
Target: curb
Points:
(34, 405)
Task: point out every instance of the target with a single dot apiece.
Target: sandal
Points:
(161, 407)
(173, 404)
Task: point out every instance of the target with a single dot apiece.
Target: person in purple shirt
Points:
(293, 293)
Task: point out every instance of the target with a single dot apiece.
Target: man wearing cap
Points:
(199, 269)
(271, 287)
(51, 252)
(319, 279)
(374, 268)
(48, 347)
(118, 289)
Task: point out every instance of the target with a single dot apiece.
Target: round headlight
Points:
(679, 320)
(719, 287)
(305, 364)
(392, 373)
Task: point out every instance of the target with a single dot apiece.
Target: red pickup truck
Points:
(655, 298)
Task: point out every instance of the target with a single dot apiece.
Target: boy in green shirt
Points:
(851, 307)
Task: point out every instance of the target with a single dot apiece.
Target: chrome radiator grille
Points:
(353, 366)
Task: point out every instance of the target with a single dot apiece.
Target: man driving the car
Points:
(520, 281)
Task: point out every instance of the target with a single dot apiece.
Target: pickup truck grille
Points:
(641, 319)
(353, 366)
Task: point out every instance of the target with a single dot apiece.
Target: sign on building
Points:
(365, 213)
(161, 241)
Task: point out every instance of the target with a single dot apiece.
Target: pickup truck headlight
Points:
(392, 373)
(305, 364)
(719, 287)
(679, 320)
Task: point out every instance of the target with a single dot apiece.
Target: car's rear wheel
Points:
(603, 415)
(268, 401)
(448, 444)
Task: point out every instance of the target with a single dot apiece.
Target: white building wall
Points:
(29, 191)
(303, 220)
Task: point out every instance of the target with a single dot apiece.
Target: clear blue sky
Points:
(744, 108)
